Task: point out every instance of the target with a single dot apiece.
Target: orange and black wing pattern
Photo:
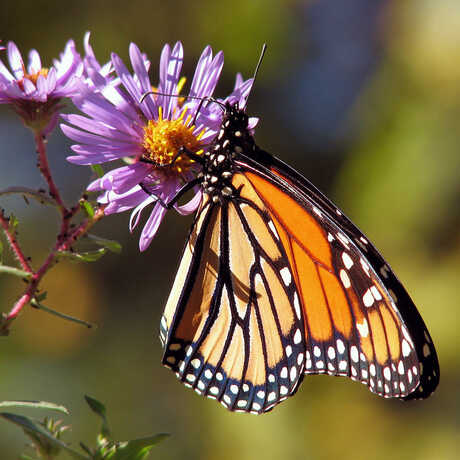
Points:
(359, 320)
(275, 282)
(232, 328)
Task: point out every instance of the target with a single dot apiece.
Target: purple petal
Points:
(29, 87)
(123, 179)
(136, 214)
(51, 80)
(5, 72)
(138, 64)
(15, 59)
(151, 226)
(191, 206)
(35, 63)
(96, 127)
(203, 62)
(170, 68)
(125, 201)
(42, 88)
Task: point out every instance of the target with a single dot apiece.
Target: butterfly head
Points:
(233, 140)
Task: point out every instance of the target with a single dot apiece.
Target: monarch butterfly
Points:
(275, 282)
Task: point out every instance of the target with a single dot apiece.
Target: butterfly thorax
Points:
(233, 139)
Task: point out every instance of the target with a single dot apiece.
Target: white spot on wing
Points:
(365, 267)
(406, 349)
(347, 261)
(368, 298)
(354, 353)
(208, 373)
(363, 328)
(273, 229)
(387, 373)
(343, 239)
(376, 293)
(345, 279)
(340, 346)
(317, 211)
(297, 337)
(286, 275)
(297, 305)
(331, 352)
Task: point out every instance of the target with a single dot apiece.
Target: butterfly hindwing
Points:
(234, 333)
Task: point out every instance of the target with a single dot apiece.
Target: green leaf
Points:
(34, 429)
(15, 271)
(36, 405)
(1, 253)
(87, 207)
(34, 302)
(99, 408)
(41, 296)
(90, 256)
(111, 245)
(97, 169)
(137, 449)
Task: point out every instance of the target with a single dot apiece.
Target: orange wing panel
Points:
(256, 365)
(378, 336)
(198, 304)
(292, 216)
(272, 338)
(317, 313)
(213, 344)
(340, 310)
(391, 332)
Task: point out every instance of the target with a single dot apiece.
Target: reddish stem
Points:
(43, 165)
(62, 244)
(64, 240)
(13, 242)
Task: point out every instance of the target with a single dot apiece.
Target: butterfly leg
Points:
(182, 151)
(188, 186)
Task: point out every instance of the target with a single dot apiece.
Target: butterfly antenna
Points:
(256, 71)
(201, 99)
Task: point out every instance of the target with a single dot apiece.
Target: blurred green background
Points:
(361, 97)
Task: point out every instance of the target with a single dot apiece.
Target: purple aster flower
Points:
(34, 91)
(148, 135)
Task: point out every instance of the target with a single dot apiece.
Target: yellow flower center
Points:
(33, 77)
(163, 140)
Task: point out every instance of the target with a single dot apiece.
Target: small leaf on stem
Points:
(38, 433)
(111, 245)
(90, 256)
(40, 306)
(97, 169)
(36, 405)
(15, 271)
(87, 207)
(99, 408)
(138, 449)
